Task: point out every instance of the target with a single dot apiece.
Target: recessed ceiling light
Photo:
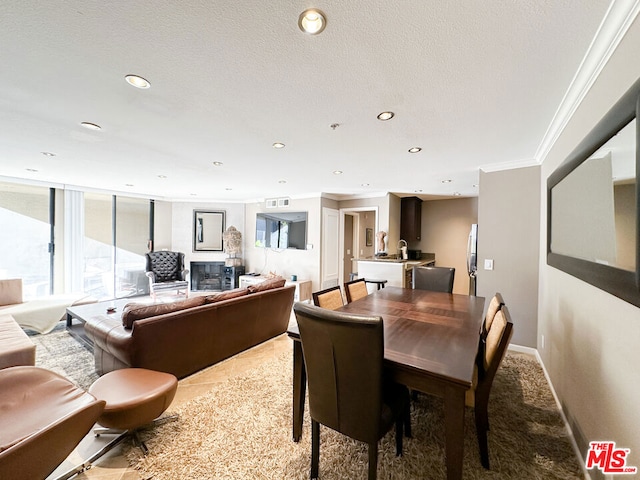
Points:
(31, 170)
(218, 164)
(282, 181)
(456, 194)
(415, 149)
(48, 154)
(337, 172)
(364, 184)
(417, 191)
(228, 188)
(475, 185)
(162, 176)
(278, 145)
(312, 21)
(384, 116)
(137, 81)
(447, 181)
(91, 126)
(128, 184)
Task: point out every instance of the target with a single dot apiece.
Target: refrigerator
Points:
(472, 258)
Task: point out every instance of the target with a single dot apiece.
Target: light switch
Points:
(488, 264)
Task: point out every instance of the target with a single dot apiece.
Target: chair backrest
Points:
(343, 354)
(437, 279)
(495, 304)
(330, 298)
(355, 289)
(166, 265)
(495, 347)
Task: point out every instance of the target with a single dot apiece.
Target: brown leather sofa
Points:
(184, 337)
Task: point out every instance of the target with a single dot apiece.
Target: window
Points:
(25, 237)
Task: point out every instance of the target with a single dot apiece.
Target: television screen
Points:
(281, 230)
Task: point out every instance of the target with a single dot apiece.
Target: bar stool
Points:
(379, 283)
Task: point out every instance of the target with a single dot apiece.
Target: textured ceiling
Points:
(474, 83)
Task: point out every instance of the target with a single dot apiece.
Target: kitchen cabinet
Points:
(410, 218)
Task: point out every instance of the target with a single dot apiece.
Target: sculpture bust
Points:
(232, 241)
(380, 236)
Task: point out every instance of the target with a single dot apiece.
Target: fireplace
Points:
(206, 276)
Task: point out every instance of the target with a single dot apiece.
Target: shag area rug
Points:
(60, 352)
(242, 430)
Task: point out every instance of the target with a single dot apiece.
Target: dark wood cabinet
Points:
(410, 218)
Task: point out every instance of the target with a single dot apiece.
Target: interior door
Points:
(330, 247)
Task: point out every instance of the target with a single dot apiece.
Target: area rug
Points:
(242, 430)
(60, 352)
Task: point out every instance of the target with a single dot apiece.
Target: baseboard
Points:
(534, 352)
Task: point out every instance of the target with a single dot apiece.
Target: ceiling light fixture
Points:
(337, 172)
(162, 176)
(415, 149)
(282, 181)
(137, 81)
(312, 21)
(384, 116)
(218, 164)
(91, 126)
(31, 170)
(447, 181)
(278, 145)
(48, 154)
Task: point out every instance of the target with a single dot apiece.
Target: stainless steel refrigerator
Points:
(472, 257)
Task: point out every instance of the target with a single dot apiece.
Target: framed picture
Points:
(369, 237)
(207, 231)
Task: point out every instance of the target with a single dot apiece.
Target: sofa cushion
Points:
(218, 297)
(138, 311)
(275, 282)
(11, 291)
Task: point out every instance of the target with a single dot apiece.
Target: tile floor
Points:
(113, 466)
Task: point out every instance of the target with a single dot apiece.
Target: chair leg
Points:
(373, 460)
(399, 435)
(407, 420)
(315, 448)
(482, 427)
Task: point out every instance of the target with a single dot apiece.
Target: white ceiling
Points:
(474, 83)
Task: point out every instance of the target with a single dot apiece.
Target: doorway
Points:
(354, 241)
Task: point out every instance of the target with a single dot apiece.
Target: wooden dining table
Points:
(430, 345)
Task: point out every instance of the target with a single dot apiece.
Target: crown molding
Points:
(611, 31)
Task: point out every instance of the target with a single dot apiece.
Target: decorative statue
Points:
(380, 236)
(232, 245)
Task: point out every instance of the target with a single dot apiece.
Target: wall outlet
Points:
(488, 264)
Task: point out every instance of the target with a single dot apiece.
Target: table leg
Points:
(299, 389)
(454, 431)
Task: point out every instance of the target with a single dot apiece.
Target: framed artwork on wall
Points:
(208, 228)
(369, 237)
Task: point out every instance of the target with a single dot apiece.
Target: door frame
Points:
(356, 213)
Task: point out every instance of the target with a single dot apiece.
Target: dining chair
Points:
(494, 346)
(355, 289)
(330, 298)
(348, 391)
(437, 279)
(495, 304)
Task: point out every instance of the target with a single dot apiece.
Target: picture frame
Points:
(208, 227)
(369, 237)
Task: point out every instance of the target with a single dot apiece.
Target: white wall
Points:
(591, 348)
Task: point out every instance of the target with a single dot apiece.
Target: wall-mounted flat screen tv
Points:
(281, 230)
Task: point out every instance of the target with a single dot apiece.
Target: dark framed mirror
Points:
(208, 228)
(593, 204)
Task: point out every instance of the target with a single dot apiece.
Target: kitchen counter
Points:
(397, 272)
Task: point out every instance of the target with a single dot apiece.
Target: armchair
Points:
(166, 271)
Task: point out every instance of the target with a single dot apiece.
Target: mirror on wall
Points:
(592, 198)
(208, 228)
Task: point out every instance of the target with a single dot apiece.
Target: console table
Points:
(303, 287)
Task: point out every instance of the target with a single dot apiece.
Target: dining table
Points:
(430, 345)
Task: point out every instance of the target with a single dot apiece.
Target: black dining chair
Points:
(437, 279)
(348, 391)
